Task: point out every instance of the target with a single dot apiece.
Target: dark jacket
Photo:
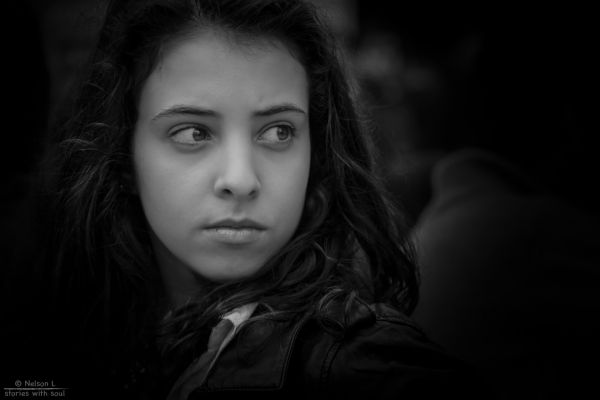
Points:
(366, 351)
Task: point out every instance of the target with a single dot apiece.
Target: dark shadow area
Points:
(27, 90)
(487, 129)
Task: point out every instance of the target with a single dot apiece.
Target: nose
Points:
(237, 177)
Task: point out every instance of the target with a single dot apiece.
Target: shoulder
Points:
(377, 351)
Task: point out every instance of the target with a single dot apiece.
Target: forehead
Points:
(215, 67)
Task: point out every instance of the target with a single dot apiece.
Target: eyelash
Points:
(202, 129)
(291, 130)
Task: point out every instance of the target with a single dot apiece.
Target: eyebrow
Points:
(280, 108)
(205, 112)
(186, 110)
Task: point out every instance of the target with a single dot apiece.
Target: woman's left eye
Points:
(278, 134)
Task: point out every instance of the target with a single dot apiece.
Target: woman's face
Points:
(222, 153)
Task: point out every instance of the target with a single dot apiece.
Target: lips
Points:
(236, 232)
(236, 224)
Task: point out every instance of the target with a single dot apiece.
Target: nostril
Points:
(227, 192)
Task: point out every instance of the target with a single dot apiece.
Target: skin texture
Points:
(222, 133)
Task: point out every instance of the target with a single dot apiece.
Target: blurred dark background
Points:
(507, 235)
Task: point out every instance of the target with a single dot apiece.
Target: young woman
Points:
(216, 223)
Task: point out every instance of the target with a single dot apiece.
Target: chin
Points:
(228, 273)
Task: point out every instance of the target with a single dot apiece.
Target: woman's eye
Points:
(279, 134)
(191, 135)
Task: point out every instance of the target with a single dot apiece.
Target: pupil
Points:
(282, 133)
(198, 134)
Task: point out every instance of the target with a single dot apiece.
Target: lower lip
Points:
(235, 235)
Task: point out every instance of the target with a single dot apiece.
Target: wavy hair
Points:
(349, 238)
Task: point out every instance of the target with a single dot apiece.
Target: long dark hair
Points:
(349, 238)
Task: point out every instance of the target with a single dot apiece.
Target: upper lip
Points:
(236, 224)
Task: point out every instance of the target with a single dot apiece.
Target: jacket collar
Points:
(223, 333)
(259, 357)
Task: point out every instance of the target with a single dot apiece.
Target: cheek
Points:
(153, 183)
(289, 184)
(163, 185)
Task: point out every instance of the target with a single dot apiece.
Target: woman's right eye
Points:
(192, 135)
